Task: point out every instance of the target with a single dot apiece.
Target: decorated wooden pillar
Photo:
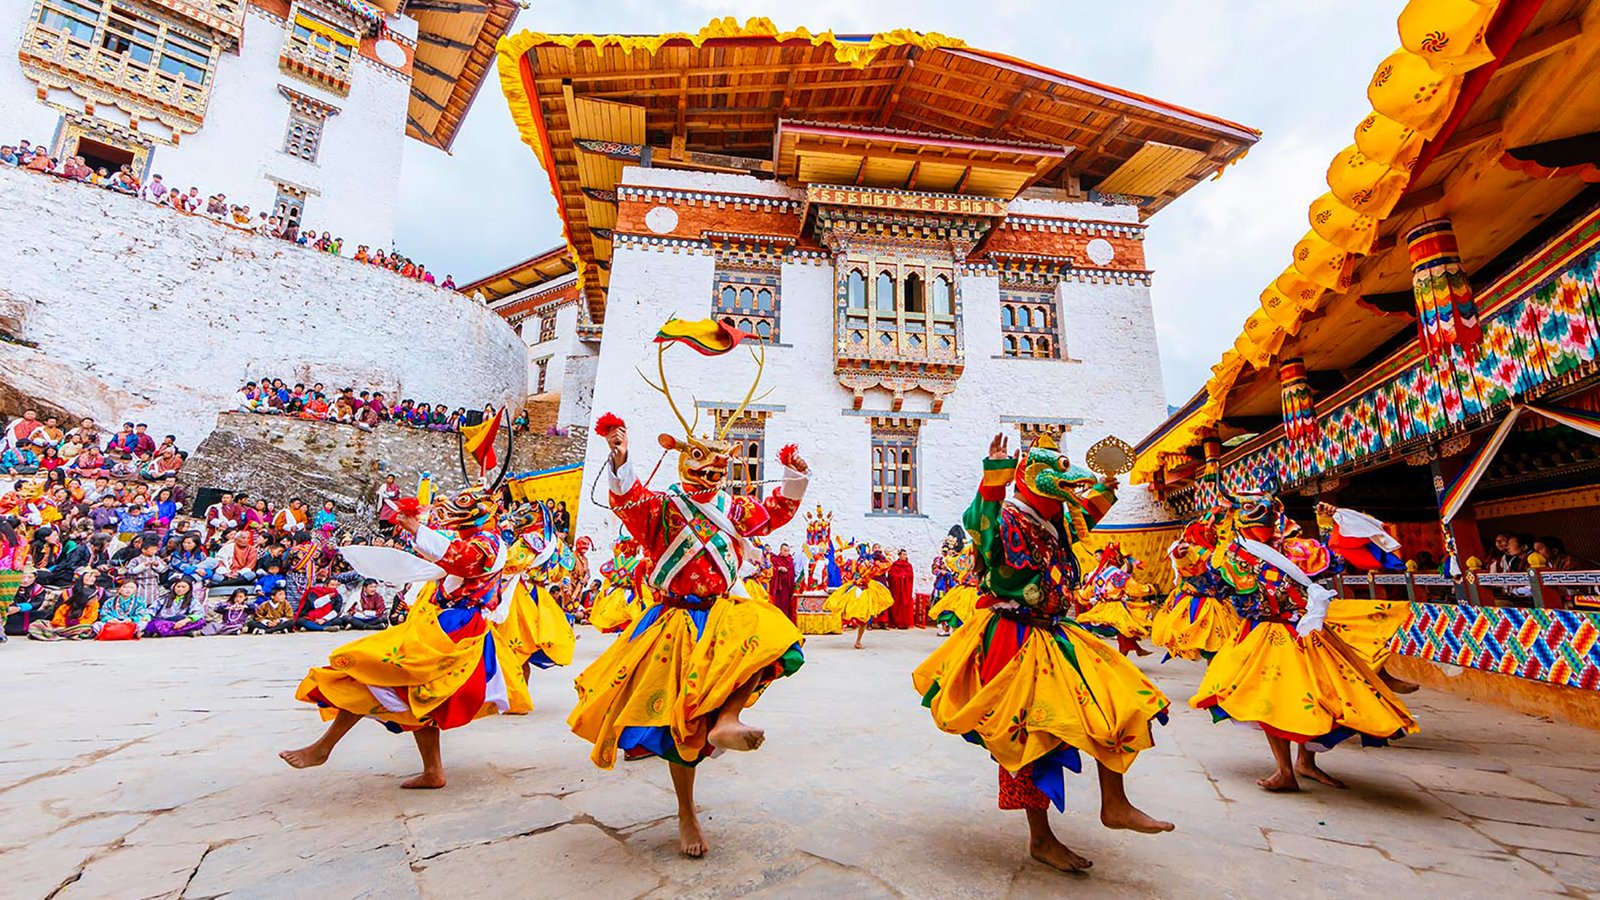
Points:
(1211, 475)
(1299, 408)
(1447, 317)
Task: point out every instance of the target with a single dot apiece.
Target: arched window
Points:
(913, 294)
(764, 329)
(1044, 346)
(884, 295)
(1024, 318)
(1008, 317)
(1010, 346)
(855, 290)
(763, 300)
(747, 299)
(729, 296)
(1025, 346)
(943, 298)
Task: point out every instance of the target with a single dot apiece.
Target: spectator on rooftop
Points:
(40, 163)
(155, 189)
(8, 155)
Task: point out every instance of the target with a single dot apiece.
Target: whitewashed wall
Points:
(238, 151)
(141, 312)
(1110, 382)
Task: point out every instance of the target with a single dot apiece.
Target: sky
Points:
(1294, 69)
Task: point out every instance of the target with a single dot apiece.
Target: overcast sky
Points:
(1296, 70)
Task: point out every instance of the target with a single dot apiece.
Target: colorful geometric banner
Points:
(1552, 645)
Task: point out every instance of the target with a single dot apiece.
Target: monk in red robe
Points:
(903, 587)
(782, 588)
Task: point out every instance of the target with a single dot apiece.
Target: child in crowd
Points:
(230, 616)
(181, 615)
(273, 615)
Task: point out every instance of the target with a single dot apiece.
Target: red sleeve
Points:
(468, 557)
(640, 511)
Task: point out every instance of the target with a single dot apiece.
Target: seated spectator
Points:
(50, 458)
(165, 465)
(134, 518)
(146, 570)
(235, 561)
(225, 515)
(90, 463)
(326, 518)
(292, 519)
(361, 253)
(20, 460)
(189, 560)
(273, 615)
(370, 611)
(342, 412)
(367, 417)
(126, 605)
(241, 216)
(166, 510)
(319, 609)
(8, 155)
(155, 189)
(230, 616)
(181, 614)
(41, 163)
(192, 203)
(76, 614)
(217, 205)
(272, 567)
(379, 405)
(315, 408)
(449, 283)
(100, 177)
(55, 558)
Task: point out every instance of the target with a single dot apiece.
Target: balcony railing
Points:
(223, 16)
(315, 63)
(47, 48)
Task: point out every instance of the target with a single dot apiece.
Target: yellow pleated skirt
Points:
(618, 608)
(1368, 626)
(1129, 618)
(537, 629)
(756, 590)
(1314, 689)
(1060, 687)
(856, 605)
(1208, 630)
(655, 691)
(416, 674)
(959, 604)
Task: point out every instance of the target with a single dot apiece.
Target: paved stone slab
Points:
(159, 750)
(570, 861)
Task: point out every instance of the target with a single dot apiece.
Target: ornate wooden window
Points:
(547, 327)
(895, 319)
(1028, 432)
(302, 138)
(750, 298)
(894, 470)
(747, 458)
(289, 205)
(541, 379)
(1028, 323)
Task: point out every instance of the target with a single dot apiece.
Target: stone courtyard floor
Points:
(148, 770)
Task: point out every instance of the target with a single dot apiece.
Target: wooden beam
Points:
(430, 38)
(420, 66)
(887, 112)
(1467, 138)
(1022, 94)
(417, 93)
(911, 179)
(448, 6)
(1540, 44)
(710, 162)
(1418, 198)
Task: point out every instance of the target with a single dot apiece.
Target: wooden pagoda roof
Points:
(716, 99)
(532, 272)
(455, 49)
(1544, 88)
(813, 152)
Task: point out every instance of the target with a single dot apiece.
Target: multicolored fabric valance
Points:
(1447, 317)
(1299, 409)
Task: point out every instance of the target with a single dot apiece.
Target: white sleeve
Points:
(623, 479)
(1318, 598)
(794, 484)
(431, 545)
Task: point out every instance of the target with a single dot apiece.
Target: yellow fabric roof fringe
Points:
(524, 109)
(1412, 92)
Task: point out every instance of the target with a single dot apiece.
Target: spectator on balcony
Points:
(75, 168)
(40, 162)
(8, 155)
(449, 283)
(124, 182)
(380, 406)
(155, 189)
(191, 201)
(217, 205)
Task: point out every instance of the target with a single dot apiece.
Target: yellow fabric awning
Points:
(1412, 92)
(326, 31)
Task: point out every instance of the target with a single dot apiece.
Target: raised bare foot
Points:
(858, 645)
(1131, 818)
(1055, 854)
(305, 757)
(735, 735)
(1279, 783)
(691, 842)
(1310, 770)
(427, 781)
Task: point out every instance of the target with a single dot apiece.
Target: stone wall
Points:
(277, 458)
(123, 310)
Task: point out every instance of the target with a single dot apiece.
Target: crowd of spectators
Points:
(110, 552)
(364, 409)
(36, 158)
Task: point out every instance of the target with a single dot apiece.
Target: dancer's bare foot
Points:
(1310, 770)
(1056, 855)
(1127, 817)
(305, 757)
(1140, 650)
(691, 842)
(1279, 783)
(427, 781)
(858, 645)
(735, 735)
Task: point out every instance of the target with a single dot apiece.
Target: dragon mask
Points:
(1044, 471)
